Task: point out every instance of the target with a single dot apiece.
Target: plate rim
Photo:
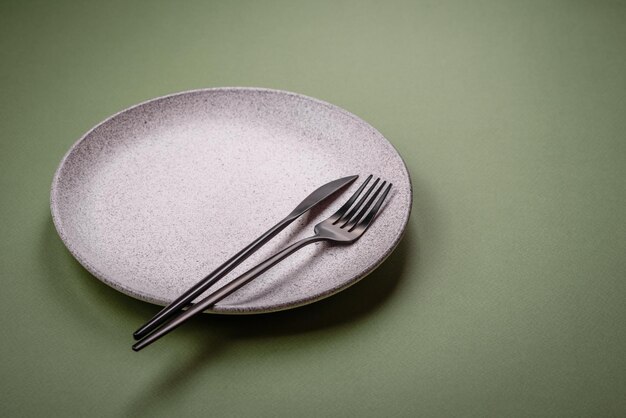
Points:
(233, 310)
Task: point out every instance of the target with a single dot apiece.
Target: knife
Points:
(196, 290)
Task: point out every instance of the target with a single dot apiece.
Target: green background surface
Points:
(507, 296)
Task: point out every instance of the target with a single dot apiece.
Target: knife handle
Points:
(196, 290)
(225, 290)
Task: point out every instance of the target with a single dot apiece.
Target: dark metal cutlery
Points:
(346, 226)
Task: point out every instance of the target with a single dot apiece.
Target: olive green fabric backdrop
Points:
(507, 297)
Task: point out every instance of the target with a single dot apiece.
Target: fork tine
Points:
(342, 210)
(346, 218)
(355, 219)
(367, 220)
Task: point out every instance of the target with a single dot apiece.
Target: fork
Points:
(345, 226)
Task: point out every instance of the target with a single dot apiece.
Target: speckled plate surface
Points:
(158, 195)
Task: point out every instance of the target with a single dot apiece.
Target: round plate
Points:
(155, 197)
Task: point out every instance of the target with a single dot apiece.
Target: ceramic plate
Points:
(158, 195)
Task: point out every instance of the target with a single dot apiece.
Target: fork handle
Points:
(225, 290)
(196, 290)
